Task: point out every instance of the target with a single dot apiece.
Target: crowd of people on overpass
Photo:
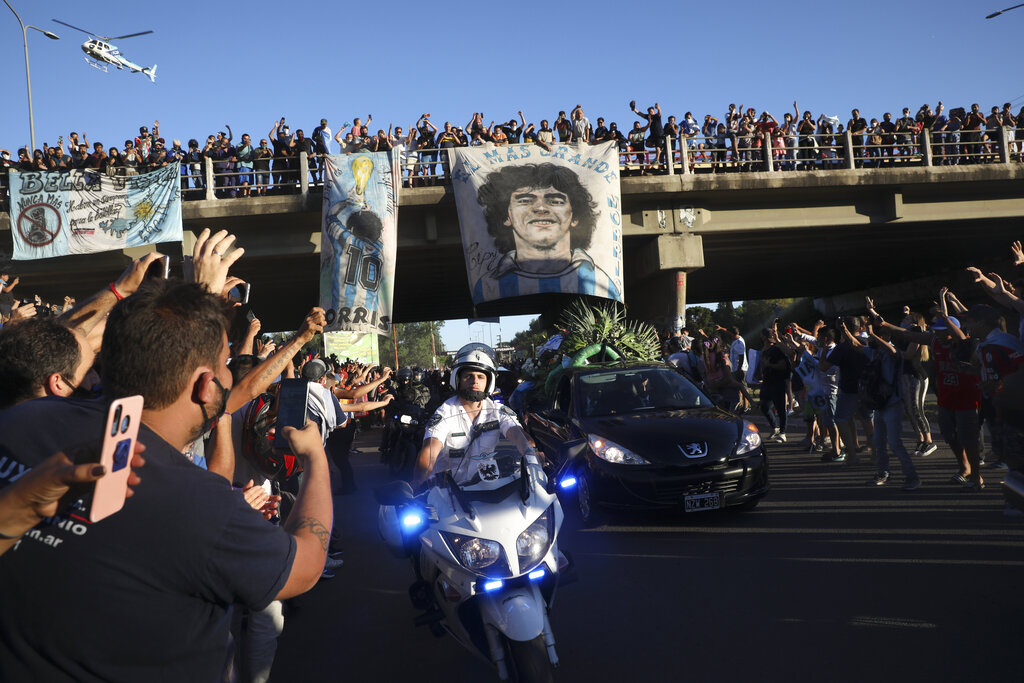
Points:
(738, 141)
(856, 379)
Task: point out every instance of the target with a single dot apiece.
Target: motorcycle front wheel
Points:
(528, 661)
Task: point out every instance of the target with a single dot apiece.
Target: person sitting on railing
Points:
(826, 127)
(79, 153)
(600, 133)
(637, 141)
(656, 139)
(857, 127)
(321, 145)
(673, 132)
(55, 160)
(708, 130)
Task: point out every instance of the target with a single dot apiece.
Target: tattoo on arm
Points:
(315, 527)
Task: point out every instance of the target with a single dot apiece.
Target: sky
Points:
(247, 64)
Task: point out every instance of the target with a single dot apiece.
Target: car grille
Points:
(673, 491)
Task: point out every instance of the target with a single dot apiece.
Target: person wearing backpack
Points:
(880, 389)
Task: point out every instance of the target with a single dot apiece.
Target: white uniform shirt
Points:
(451, 425)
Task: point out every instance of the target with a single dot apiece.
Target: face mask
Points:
(210, 420)
(6, 155)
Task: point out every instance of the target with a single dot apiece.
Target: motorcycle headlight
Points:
(478, 555)
(750, 439)
(613, 452)
(532, 545)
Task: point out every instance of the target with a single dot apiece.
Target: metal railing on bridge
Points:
(686, 155)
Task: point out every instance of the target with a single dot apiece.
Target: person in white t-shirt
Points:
(738, 360)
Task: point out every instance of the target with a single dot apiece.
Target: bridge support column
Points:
(664, 264)
(208, 174)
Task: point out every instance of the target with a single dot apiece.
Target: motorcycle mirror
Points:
(568, 453)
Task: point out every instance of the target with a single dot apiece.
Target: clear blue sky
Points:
(249, 63)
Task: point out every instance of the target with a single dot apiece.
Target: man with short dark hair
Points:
(165, 570)
(41, 357)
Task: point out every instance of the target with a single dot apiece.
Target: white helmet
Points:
(478, 357)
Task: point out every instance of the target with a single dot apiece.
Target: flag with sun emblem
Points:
(83, 212)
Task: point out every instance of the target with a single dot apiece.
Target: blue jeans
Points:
(888, 424)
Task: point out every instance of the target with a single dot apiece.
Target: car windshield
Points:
(633, 390)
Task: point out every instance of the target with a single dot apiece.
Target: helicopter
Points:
(102, 52)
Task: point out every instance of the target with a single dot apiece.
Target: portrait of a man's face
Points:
(540, 211)
(540, 227)
(540, 219)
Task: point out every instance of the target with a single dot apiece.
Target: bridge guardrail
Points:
(685, 155)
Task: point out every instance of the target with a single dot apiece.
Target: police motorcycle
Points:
(405, 425)
(483, 538)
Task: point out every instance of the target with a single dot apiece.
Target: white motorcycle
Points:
(484, 545)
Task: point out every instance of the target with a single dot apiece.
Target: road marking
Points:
(891, 622)
(837, 560)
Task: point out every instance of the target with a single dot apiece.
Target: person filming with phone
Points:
(161, 574)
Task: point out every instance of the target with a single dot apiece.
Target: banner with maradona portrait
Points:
(535, 220)
(359, 238)
(83, 212)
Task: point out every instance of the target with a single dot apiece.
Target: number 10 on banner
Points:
(364, 270)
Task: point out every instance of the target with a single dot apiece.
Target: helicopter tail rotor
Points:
(151, 72)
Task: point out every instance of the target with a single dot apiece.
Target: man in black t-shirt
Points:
(775, 371)
(144, 594)
(857, 127)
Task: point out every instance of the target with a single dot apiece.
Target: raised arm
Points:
(261, 377)
(91, 312)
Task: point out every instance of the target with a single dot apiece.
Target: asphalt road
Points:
(827, 580)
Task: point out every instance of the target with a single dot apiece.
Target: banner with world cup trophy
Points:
(359, 240)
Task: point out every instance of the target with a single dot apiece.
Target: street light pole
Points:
(28, 74)
(996, 14)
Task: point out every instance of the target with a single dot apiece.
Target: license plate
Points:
(702, 501)
(405, 419)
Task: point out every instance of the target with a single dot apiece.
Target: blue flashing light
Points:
(537, 574)
(493, 585)
(411, 520)
(568, 482)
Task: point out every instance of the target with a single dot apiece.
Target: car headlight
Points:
(532, 545)
(613, 452)
(479, 555)
(750, 439)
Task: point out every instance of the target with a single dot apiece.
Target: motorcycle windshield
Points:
(475, 452)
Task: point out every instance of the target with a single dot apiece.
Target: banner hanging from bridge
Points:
(535, 221)
(359, 238)
(79, 212)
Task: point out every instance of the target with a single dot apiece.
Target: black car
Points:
(648, 438)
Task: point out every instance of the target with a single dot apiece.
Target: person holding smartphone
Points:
(164, 570)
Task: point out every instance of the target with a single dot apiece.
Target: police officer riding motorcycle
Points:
(404, 422)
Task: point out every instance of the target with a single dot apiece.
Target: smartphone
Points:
(159, 269)
(292, 404)
(122, 430)
(244, 290)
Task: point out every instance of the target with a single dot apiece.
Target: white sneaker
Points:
(781, 438)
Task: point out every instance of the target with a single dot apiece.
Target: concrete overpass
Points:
(734, 236)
